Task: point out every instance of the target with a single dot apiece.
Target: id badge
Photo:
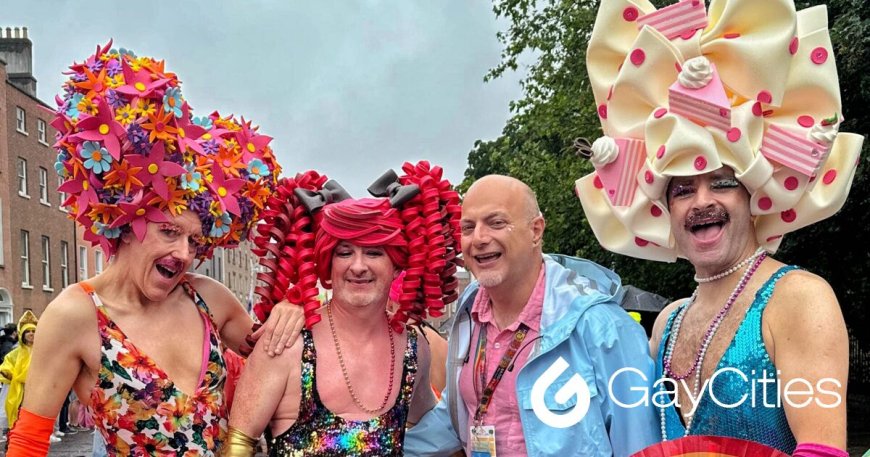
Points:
(483, 441)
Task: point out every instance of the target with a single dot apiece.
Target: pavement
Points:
(79, 444)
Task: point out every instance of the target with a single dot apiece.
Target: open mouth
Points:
(168, 269)
(483, 259)
(708, 224)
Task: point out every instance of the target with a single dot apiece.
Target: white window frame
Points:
(98, 261)
(41, 132)
(25, 259)
(46, 264)
(64, 264)
(63, 196)
(20, 120)
(83, 263)
(43, 187)
(21, 169)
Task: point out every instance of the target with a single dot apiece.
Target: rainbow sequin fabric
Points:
(758, 415)
(318, 431)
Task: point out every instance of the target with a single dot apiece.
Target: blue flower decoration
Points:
(221, 226)
(172, 101)
(96, 158)
(59, 164)
(192, 179)
(257, 169)
(104, 230)
(203, 121)
(73, 109)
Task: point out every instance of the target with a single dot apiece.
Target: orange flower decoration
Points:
(159, 124)
(123, 176)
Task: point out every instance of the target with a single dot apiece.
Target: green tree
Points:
(549, 38)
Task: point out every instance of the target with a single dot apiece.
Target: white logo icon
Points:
(575, 386)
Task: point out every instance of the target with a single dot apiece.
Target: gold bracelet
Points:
(238, 444)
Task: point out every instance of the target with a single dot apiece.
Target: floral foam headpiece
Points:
(130, 151)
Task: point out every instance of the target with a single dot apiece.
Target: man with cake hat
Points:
(720, 136)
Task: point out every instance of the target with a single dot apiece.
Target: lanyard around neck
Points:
(480, 367)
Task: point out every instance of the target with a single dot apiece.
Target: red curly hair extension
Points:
(421, 238)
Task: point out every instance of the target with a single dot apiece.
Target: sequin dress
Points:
(139, 411)
(318, 431)
(759, 415)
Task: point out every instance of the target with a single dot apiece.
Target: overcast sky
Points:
(349, 88)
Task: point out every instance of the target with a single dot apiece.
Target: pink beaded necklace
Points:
(714, 324)
(708, 337)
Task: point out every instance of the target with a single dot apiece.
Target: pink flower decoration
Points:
(85, 186)
(138, 213)
(155, 169)
(189, 133)
(225, 190)
(139, 84)
(103, 127)
(251, 142)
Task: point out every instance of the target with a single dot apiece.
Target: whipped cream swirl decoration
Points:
(824, 133)
(696, 73)
(604, 151)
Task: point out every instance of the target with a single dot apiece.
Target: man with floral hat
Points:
(156, 189)
(720, 136)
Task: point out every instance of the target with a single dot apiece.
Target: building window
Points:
(22, 178)
(83, 263)
(43, 186)
(46, 263)
(98, 261)
(25, 259)
(64, 264)
(62, 195)
(21, 123)
(40, 131)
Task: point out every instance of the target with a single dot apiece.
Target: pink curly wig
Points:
(421, 238)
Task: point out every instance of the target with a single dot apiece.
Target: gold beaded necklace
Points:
(350, 389)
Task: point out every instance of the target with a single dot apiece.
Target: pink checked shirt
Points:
(503, 410)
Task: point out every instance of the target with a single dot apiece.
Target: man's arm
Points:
(434, 435)
(58, 354)
(810, 347)
(616, 342)
(423, 398)
(263, 386)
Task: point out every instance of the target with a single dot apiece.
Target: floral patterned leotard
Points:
(139, 410)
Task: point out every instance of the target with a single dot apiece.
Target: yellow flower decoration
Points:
(125, 114)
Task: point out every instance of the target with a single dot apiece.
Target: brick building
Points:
(37, 259)
(235, 268)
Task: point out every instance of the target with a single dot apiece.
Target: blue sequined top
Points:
(743, 408)
(320, 432)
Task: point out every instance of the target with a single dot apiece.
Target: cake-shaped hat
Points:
(682, 91)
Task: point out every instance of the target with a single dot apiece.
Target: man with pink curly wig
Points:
(356, 247)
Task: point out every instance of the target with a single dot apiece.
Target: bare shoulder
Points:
(216, 295)
(72, 308)
(207, 286)
(802, 298)
(801, 293)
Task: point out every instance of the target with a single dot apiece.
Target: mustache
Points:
(701, 216)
